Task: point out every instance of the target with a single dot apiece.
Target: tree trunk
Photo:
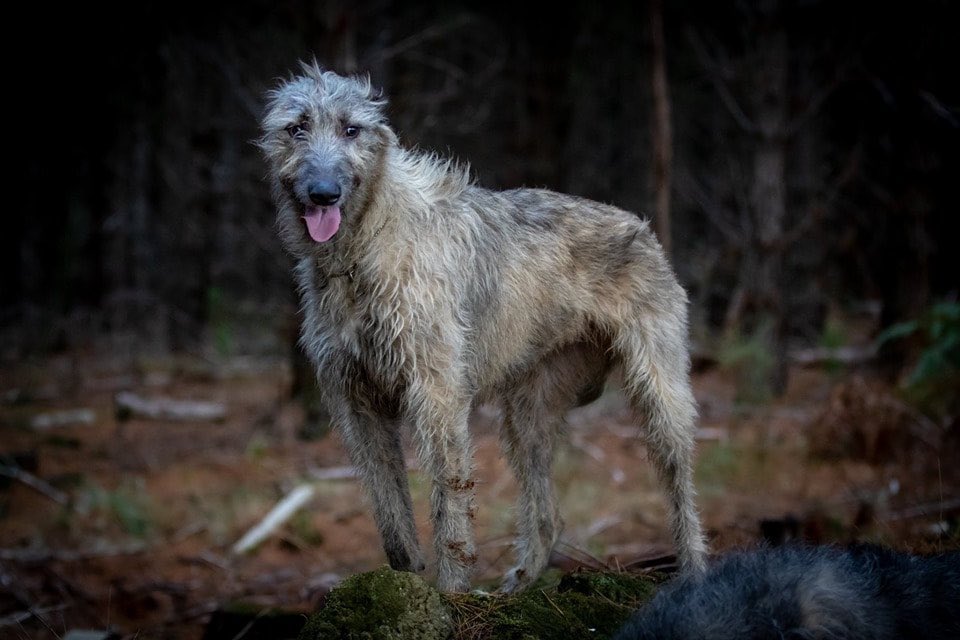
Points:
(768, 197)
(662, 132)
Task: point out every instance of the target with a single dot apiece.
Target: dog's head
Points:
(325, 137)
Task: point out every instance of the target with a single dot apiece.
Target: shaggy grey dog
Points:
(423, 294)
(865, 593)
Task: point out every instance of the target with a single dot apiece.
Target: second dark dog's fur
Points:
(423, 294)
(865, 593)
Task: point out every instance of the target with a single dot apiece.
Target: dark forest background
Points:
(812, 152)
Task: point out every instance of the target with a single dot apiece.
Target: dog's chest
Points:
(367, 323)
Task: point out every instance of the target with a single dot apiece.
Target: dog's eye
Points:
(296, 129)
(351, 131)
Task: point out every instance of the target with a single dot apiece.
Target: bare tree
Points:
(755, 90)
(662, 132)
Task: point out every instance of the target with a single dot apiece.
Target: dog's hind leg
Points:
(376, 450)
(656, 377)
(532, 423)
(529, 438)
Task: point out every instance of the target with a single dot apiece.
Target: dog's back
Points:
(866, 592)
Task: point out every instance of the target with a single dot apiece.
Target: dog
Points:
(423, 294)
(864, 593)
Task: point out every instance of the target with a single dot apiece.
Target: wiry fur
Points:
(865, 593)
(436, 294)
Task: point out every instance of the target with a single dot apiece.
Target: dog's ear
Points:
(375, 95)
(377, 98)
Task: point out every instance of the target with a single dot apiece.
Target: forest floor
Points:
(143, 543)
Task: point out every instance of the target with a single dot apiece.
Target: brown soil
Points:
(144, 546)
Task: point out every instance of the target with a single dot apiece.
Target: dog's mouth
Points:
(322, 222)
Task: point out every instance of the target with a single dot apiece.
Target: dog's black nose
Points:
(324, 192)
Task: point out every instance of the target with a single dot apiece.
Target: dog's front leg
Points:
(439, 413)
(376, 451)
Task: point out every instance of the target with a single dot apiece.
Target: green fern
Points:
(933, 380)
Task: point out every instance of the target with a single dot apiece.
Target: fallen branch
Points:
(62, 419)
(277, 516)
(567, 557)
(40, 486)
(825, 355)
(597, 527)
(16, 619)
(34, 555)
(925, 510)
(661, 563)
(130, 405)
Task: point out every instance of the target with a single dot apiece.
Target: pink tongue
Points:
(322, 222)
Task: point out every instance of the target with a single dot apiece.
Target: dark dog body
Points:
(423, 294)
(865, 593)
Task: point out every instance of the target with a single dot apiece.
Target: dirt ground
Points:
(142, 543)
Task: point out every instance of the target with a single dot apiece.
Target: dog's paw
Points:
(401, 560)
(453, 584)
(418, 565)
(515, 580)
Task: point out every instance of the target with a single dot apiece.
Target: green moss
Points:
(622, 588)
(585, 605)
(604, 599)
(385, 604)
(535, 614)
(381, 605)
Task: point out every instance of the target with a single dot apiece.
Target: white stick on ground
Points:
(850, 355)
(168, 408)
(56, 419)
(277, 516)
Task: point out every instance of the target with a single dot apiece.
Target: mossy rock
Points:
(381, 605)
(390, 605)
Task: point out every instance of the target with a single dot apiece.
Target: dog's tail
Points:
(656, 377)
